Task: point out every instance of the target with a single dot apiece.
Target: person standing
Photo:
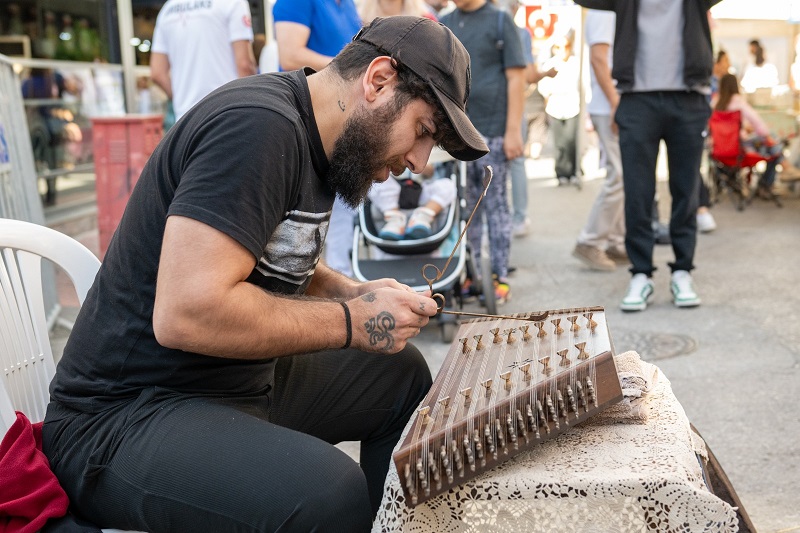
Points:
(759, 73)
(520, 223)
(200, 46)
(563, 107)
(705, 220)
(601, 242)
(495, 108)
(370, 9)
(662, 64)
(438, 6)
(309, 33)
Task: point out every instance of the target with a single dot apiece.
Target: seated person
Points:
(216, 360)
(758, 138)
(423, 193)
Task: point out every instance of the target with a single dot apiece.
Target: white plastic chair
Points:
(25, 353)
(26, 358)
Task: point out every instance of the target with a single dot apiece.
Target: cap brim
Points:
(475, 145)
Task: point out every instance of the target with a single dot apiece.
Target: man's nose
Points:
(418, 157)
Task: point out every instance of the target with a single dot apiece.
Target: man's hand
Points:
(370, 286)
(512, 144)
(385, 318)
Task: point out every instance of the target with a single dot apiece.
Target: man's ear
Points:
(379, 79)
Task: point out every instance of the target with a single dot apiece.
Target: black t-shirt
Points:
(247, 160)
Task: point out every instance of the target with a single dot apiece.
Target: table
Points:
(615, 473)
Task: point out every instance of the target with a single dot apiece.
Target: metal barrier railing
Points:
(19, 197)
(60, 99)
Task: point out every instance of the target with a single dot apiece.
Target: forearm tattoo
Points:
(380, 329)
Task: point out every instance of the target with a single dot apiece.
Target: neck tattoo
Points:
(341, 104)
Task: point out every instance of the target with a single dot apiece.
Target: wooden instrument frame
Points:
(502, 406)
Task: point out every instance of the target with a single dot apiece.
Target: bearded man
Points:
(216, 361)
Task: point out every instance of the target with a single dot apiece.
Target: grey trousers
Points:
(605, 226)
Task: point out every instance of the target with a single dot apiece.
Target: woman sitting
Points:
(756, 136)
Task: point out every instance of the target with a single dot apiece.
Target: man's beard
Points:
(360, 152)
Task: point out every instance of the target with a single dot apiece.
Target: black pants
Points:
(565, 140)
(644, 119)
(172, 462)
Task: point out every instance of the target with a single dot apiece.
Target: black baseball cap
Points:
(432, 52)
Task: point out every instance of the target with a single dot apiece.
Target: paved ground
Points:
(734, 362)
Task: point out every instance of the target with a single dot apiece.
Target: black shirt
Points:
(247, 160)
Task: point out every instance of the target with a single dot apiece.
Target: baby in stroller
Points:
(423, 195)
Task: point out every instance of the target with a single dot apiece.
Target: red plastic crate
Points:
(122, 146)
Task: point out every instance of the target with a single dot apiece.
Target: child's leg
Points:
(385, 196)
(437, 192)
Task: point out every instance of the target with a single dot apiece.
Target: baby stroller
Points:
(374, 257)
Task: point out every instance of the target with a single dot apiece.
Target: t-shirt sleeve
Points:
(527, 45)
(600, 27)
(240, 175)
(299, 11)
(512, 50)
(160, 44)
(240, 24)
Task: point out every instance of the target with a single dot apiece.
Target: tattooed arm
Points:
(328, 283)
(385, 319)
(205, 305)
(385, 314)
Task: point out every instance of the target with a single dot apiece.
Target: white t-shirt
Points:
(197, 37)
(763, 77)
(600, 28)
(561, 91)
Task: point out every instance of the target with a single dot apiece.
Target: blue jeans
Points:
(519, 183)
(644, 119)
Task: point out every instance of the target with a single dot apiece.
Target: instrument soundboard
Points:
(506, 385)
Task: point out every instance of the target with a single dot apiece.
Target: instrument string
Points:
(474, 404)
(440, 299)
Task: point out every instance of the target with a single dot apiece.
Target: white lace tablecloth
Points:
(610, 477)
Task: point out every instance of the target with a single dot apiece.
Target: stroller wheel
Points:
(487, 283)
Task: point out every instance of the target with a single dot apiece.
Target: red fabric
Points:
(29, 491)
(726, 144)
(725, 127)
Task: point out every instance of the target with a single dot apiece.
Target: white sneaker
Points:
(395, 227)
(705, 222)
(420, 224)
(683, 293)
(521, 229)
(640, 291)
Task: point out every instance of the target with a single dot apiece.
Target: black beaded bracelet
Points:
(348, 324)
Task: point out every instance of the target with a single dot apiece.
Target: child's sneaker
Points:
(419, 225)
(395, 227)
(502, 292)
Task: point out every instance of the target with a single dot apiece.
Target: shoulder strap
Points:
(500, 43)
